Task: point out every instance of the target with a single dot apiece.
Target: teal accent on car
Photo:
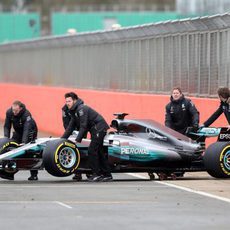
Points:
(207, 132)
(37, 148)
(135, 153)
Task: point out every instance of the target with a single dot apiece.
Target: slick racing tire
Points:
(61, 157)
(7, 144)
(217, 159)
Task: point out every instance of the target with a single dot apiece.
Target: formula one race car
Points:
(133, 146)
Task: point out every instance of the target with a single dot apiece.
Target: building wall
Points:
(83, 22)
(45, 103)
(193, 54)
(14, 27)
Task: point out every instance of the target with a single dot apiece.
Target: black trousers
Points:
(98, 160)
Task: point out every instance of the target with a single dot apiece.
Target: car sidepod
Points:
(129, 149)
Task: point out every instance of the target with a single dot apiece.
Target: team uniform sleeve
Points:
(168, 119)
(195, 114)
(27, 127)
(65, 119)
(213, 117)
(69, 129)
(83, 116)
(7, 126)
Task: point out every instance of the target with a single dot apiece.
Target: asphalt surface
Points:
(131, 201)
(126, 203)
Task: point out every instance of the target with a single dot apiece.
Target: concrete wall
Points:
(45, 104)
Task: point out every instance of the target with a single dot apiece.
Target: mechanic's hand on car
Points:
(195, 127)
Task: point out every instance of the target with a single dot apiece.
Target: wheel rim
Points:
(67, 157)
(226, 160)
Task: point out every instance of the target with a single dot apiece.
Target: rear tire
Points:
(217, 159)
(61, 157)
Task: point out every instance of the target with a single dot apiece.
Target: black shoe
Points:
(32, 177)
(95, 178)
(88, 175)
(77, 177)
(107, 178)
(6, 175)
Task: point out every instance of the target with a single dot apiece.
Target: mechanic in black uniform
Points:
(93, 122)
(224, 96)
(25, 128)
(66, 117)
(181, 113)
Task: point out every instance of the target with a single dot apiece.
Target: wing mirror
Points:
(153, 135)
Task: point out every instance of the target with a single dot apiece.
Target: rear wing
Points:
(223, 133)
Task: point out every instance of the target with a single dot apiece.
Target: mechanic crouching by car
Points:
(89, 120)
(181, 113)
(224, 107)
(25, 128)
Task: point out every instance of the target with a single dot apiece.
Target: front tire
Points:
(217, 159)
(7, 144)
(61, 157)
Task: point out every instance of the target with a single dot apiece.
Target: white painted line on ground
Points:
(183, 188)
(62, 204)
(195, 191)
(35, 202)
(25, 202)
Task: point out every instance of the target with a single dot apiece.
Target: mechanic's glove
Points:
(195, 127)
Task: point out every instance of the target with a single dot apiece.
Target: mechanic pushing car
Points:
(25, 128)
(181, 113)
(66, 117)
(224, 96)
(89, 120)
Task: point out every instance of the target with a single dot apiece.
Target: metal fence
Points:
(193, 54)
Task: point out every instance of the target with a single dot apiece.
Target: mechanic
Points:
(224, 107)
(181, 113)
(66, 117)
(25, 128)
(89, 120)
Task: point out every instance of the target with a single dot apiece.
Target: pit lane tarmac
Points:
(126, 203)
(131, 201)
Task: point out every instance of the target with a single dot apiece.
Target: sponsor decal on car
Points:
(70, 145)
(224, 134)
(133, 150)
